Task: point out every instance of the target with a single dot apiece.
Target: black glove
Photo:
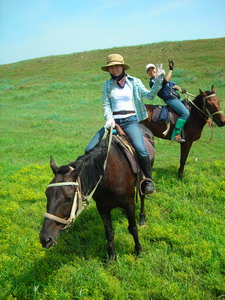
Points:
(183, 91)
(171, 65)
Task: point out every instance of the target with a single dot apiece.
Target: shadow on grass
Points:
(169, 172)
(84, 242)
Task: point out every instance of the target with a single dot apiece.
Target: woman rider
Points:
(122, 104)
(169, 94)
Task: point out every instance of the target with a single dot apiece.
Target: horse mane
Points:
(88, 167)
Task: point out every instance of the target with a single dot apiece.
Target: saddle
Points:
(124, 144)
(164, 114)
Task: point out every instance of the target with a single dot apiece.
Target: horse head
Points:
(211, 106)
(60, 195)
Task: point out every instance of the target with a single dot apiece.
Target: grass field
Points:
(52, 106)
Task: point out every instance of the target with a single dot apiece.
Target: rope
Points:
(105, 162)
(195, 104)
(62, 184)
(73, 216)
(208, 112)
(209, 115)
(210, 126)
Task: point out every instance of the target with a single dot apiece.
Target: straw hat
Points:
(115, 59)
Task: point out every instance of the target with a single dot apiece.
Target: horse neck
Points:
(90, 167)
(196, 114)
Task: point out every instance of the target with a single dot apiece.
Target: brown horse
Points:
(206, 105)
(115, 189)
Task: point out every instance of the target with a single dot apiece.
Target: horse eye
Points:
(68, 199)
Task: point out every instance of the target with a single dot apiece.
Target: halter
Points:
(205, 110)
(77, 206)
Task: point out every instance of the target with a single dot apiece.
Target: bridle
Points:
(77, 205)
(79, 201)
(205, 110)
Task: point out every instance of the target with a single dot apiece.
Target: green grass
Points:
(52, 106)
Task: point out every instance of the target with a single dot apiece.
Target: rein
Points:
(205, 110)
(77, 205)
(105, 162)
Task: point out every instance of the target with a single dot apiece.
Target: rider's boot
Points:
(176, 134)
(147, 186)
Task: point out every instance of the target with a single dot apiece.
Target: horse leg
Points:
(184, 150)
(133, 227)
(106, 218)
(142, 213)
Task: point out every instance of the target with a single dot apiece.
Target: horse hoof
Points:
(180, 176)
(142, 221)
(112, 257)
(138, 250)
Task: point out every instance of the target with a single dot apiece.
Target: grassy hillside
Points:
(52, 106)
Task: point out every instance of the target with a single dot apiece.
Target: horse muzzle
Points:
(47, 243)
(221, 124)
(48, 239)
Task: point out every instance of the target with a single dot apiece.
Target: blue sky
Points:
(37, 28)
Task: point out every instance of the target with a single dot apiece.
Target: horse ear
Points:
(72, 170)
(53, 165)
(213, 89)
(201, 92)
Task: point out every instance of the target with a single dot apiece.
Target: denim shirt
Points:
(167, 92)
(139, 92)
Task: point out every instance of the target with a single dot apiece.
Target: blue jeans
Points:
(131, 127)
(95, 140)
(179, 108)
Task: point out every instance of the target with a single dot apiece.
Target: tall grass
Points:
(52, 106)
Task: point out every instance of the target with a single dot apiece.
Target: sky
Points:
(37, 28)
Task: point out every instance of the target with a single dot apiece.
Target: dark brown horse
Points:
(116, 189)
(206, 105)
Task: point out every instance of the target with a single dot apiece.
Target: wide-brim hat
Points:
(115, 59)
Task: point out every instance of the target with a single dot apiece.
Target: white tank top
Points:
(123, 100)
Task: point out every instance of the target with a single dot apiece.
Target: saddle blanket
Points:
(163, 113)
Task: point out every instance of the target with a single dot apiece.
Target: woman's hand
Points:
(159, 70)
(178, 88)
(171, 65)
(110, 122)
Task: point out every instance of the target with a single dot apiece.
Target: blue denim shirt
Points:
(139, 92)
(166, 92)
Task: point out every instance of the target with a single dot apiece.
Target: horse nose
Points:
(222, 123)
(46, 241)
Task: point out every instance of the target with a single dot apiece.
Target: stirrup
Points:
(178, 139)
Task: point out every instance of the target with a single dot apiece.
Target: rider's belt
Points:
(123, 112)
